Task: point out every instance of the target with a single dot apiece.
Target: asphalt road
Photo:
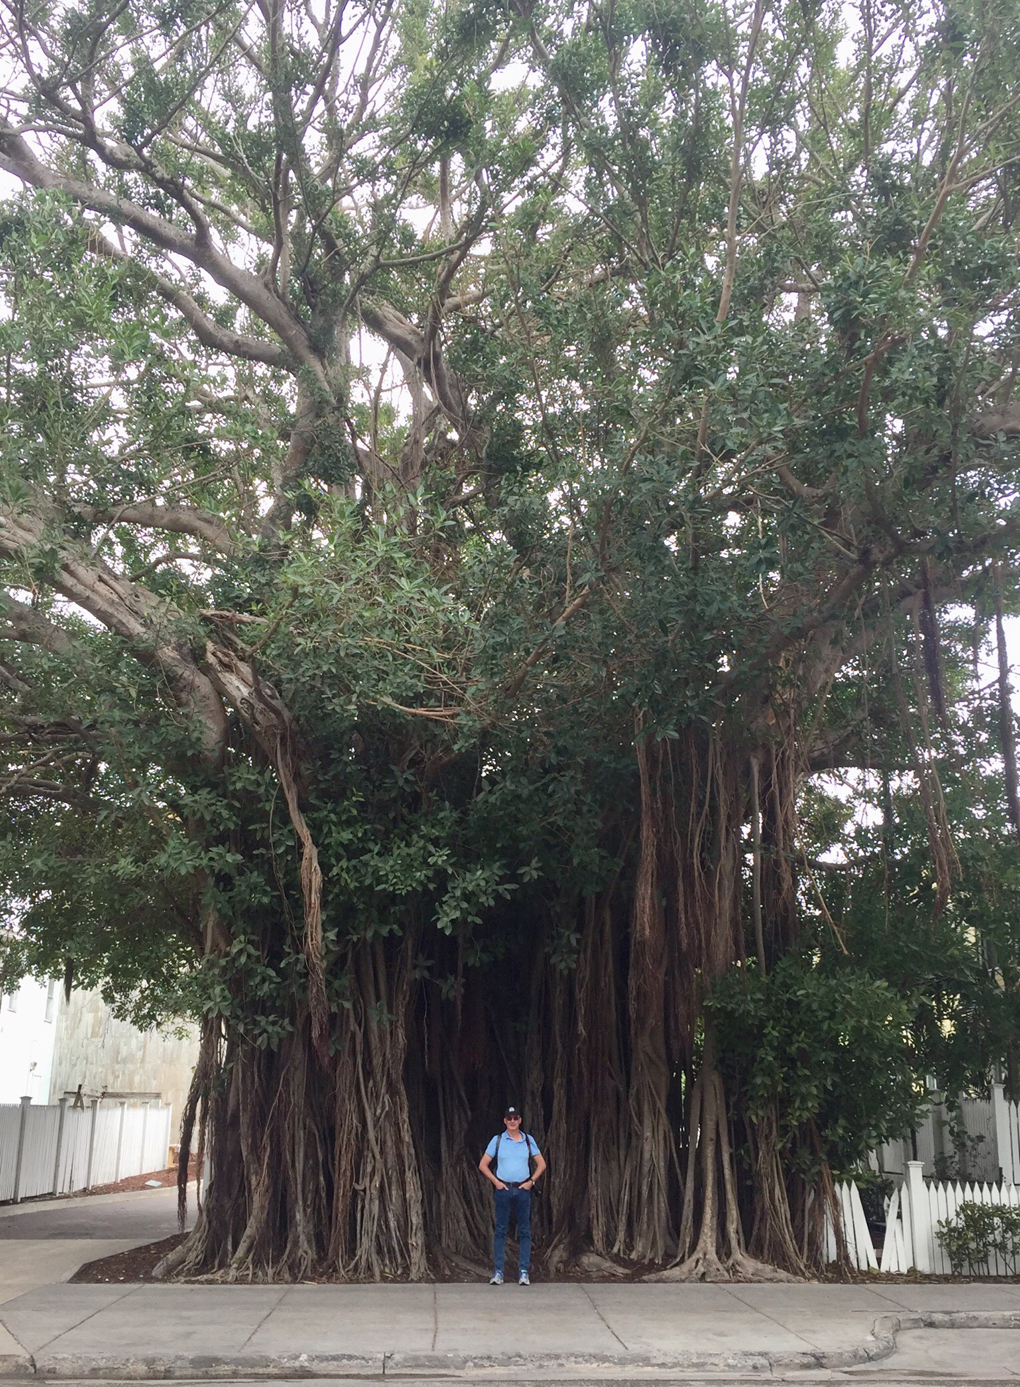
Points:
(144, 1217)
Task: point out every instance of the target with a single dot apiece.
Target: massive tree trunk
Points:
(356, 1158)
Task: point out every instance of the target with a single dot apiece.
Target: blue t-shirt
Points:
(514, 1157)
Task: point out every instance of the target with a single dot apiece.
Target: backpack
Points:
(495, 1159)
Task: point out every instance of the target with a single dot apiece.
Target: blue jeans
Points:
(520, 1201)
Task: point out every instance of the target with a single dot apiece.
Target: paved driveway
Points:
(44, 1242)
(143, 1216)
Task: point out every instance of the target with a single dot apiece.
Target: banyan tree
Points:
(477, 478)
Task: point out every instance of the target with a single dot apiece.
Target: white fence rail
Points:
(976, 1141)
(57, 1149)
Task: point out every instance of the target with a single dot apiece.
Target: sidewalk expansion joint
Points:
(275, 1306)
(765, 1315)
(591, 1300)
(78, 1323)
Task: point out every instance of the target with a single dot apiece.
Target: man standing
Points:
(506, 1164)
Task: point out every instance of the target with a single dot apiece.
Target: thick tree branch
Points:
(207, 330)
(146, 623)
(53, 791)
(422, 350)
(178, 520)
(1004, 419)
(24, 623)
(18, 158)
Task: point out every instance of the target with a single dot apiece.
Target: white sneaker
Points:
(496, 1279)
(525, 1279)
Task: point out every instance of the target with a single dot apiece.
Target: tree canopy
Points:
(493, 495)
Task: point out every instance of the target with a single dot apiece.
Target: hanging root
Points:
(643, 1231)
(196, 1112)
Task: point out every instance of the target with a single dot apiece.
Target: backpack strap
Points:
(495, 1159)
(531, 1157)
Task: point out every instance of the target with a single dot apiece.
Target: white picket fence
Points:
(913, 1214)
(57, 1149)
(918, 1205)
(859, 1244)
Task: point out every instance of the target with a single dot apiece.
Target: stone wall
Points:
(104, 1055)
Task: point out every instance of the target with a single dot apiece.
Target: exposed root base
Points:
(166, 1266)
(707, 1267)
(592, 1264)
(466, 1264)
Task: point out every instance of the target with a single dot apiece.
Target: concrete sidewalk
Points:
(472, 1331)
(46, 1240)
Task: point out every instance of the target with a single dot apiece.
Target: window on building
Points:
(51, 1000)
(12, 1002)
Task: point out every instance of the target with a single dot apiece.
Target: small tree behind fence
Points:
(982, 1238)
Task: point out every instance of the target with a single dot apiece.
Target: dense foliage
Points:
(505, 509)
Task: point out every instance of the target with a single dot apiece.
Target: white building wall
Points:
(28, 1025)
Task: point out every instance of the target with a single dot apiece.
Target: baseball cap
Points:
(512, 1112)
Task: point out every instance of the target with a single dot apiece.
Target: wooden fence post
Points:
(120, 1140)
(920, 1215)
(145, 1131)
(26, 1103)
(60, 1144)
(92, 1142)
(1003, 1144)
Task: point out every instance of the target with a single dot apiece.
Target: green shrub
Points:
(976, 1233)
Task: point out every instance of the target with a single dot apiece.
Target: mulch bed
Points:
(137, 1263)
(133, 1182)
(134, 1265)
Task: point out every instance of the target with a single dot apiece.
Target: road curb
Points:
(211, 1367)
(879, 1344)
(17, 1365)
